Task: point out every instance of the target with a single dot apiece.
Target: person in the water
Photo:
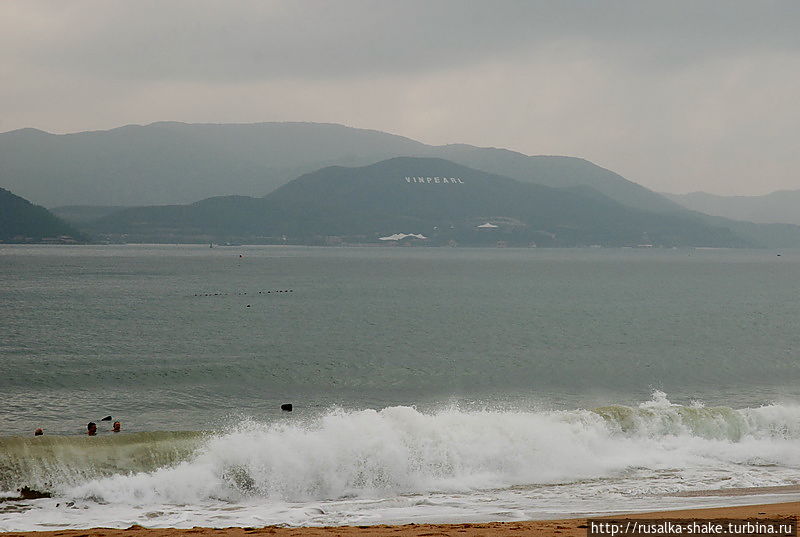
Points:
(91, 429)
(38, 432)
(117, 427)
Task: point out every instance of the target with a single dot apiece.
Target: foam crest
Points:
(660, 417)
(400, 450)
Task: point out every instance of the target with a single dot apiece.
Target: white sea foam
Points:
(357, 464)
(399, 450)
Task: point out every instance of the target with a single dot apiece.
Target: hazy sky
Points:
(675, 95)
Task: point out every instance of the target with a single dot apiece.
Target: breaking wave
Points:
(54, 462)
(401, 450)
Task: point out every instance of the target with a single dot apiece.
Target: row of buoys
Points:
(243, 294)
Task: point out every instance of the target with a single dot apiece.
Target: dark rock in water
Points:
(27, 493)
(286, 407)
(107, 418)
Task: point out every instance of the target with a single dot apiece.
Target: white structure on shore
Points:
(401, 236)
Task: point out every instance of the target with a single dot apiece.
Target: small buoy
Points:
(286, 407)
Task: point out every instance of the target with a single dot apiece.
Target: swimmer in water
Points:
(91, 429)
(117, 427)
(38, 432)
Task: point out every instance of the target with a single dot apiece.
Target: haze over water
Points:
(421, 378)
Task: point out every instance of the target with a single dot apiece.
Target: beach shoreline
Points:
(561, 527)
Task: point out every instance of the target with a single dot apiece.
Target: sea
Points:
(426, 384)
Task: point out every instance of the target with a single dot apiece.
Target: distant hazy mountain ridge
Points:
(271, 182)
(557, 172)
(169, 163)
(79, 214)
(778, 207)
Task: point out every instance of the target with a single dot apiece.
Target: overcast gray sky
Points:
(675, 95)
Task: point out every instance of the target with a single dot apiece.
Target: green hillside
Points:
(22, 221)
(439, 199)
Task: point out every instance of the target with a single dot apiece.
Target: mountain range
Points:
(782, 206)
(438, 199)
(176, 163)
(310, 182)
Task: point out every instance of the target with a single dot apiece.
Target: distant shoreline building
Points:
(403, 238)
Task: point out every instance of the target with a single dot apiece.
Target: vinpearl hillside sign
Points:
(435, 180)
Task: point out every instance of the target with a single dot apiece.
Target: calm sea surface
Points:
(189, 338)
(129, 330)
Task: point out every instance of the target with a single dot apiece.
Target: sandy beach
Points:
(566, 527)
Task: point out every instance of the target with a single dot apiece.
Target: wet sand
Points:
(748, 491)
(535, 528)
